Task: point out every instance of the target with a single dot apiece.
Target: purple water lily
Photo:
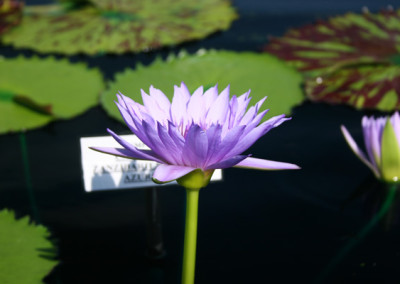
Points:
(190, 138)
(382, 143)
(203, 131)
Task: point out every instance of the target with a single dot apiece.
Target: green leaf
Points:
(263, 74)
(120, 26)
(36, 91)
(390, 154)
(27, 255)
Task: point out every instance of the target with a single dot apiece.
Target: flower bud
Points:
(390, 154)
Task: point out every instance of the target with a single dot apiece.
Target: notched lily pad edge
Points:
(53, 116)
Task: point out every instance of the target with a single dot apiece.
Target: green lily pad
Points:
(352, 59)
(10, 14)
(263, 74)
(119, 26)
(35, 91)
(27, 255)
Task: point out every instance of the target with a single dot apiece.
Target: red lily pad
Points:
(118, 26)
(10, 14)
(352, 59)
(363, 87)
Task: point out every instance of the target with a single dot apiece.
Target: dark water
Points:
(254, 227)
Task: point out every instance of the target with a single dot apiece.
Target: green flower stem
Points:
(189, 248)
(28, 179)
(391, 193)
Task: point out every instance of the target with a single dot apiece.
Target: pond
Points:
(314, 225)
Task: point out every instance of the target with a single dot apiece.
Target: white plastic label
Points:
(105, 172)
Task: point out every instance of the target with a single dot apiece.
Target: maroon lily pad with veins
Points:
(368, 87)
(352, 59)
(10, 14)
(342, 40)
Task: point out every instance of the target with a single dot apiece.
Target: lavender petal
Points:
(196, 147)
(252, 136)
(261, 164)
(125, 153)
(157, 145)
(170, 145)
(359, 153)
(232, 161)
(210, 96)
(148, 154)
(166, 173)
(227, 144)
(218, 111)
(161, 99)
(179, 105)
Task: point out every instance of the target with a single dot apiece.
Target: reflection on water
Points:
(381, 203)
(374, 195)
(155, 252)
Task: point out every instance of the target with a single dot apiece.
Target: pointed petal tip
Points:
(120, 99)
(158, 181)
(227, 88)
(120, 152)
(396, 117)
(143, 93)
(346, 134)
(105, 150)
(294, 167)
(184, 87)
(262, 164)
(151, 90)
(246, 94)
(357, 151)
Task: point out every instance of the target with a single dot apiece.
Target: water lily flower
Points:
(382, 143)
(191, 137)
(204, 131)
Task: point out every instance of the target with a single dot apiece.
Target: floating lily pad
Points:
(351, 59)
(363, 87)
(263, 74)
(120, 26)
(27, 255)
(35, 91)
(10, 14)
(343, 40)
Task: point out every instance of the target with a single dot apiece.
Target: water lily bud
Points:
(390, 167)
(382, 143)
